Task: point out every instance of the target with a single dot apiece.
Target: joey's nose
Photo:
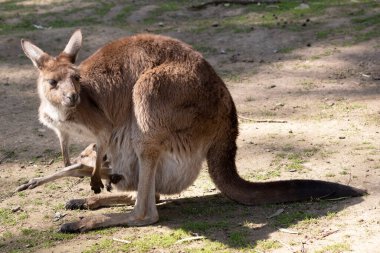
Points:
(72, 97)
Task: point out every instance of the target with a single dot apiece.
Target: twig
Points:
(242, 2)
(277, 213)
(336, 199)
(284, 230)
(328, 233)
(121, 240)
(190, 239)
(263, 121)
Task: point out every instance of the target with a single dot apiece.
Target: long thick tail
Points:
(222, 169)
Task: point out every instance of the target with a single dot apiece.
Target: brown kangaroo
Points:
(157, 108)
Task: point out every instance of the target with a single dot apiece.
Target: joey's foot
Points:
(75, 204)
(32, 183)
(96, 184)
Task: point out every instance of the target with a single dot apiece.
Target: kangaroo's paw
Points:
(96, 184)
(75, 204)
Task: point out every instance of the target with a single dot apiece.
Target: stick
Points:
(121, 240)
(263, 121)
(242, 2)
(190, 239)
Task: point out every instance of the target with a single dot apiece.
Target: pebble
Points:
(16, 208)
(216, 24)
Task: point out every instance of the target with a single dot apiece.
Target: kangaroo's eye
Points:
(52, 82)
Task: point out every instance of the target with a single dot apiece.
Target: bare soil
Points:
(324, 90)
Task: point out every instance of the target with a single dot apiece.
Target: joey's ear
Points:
(73, 46)
(34, 53)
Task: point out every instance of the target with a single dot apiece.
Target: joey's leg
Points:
(64, 143)
(144, 212)
(75, 170)
(96, 182)
(98, 201)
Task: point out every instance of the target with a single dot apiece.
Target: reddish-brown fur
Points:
(158, 109)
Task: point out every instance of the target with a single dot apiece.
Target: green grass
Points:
(289, 219)
(32, 239)
(238, 239)
(335, 248)
(197, 226)
(144, 244)
(266, 245)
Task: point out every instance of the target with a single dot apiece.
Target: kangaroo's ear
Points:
(73, 46)
(34, 53)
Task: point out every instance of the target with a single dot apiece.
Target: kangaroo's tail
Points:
(222, 168)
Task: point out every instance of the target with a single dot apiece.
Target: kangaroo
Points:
(158, 109)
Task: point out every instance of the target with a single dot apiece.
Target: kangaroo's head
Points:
(58, 81)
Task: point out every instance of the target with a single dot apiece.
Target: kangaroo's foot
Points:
(108, 220)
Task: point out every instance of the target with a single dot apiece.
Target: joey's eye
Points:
(52, 82)
(76, 78)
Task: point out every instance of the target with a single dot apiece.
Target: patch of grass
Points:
(307, 84)
(124, 13)
(145, 244)
(196, 226)
(289, 219)
(7, 217)
(265, 245)
(205, 49)
(335, 248)
(238, 239)
(330, 175)
(323, 34)
(167, 6)
(285, 50)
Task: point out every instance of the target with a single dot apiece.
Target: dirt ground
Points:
(305, 80)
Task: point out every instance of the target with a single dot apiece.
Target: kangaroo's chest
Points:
(54, 119)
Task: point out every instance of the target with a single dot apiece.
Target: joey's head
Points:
(59, 79)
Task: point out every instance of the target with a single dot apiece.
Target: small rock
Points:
(272, 86)
(215, 24)
(16, 208)
(222, 51)
(280, 104)
(302, 6)
(292, 170)
(28, 246)
(41, 130)
(342, 137)
(161, 24)
(22, 166)
(58, 216)
(290, 131)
